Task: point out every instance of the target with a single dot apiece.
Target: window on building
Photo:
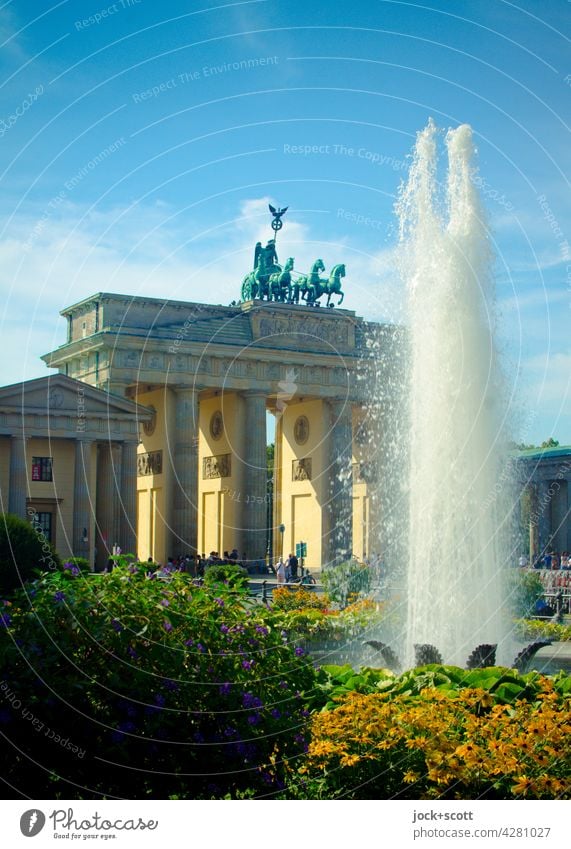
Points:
(42, 469)
(43, 524)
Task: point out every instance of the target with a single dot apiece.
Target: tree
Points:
(521, 446)
(23, 550)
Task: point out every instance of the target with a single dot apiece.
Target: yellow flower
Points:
(350, 760)
(410, 777)
(416, 742)
(524, 785)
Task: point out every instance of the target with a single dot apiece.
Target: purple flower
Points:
(167, 625)
(224, 629)
(299, 651)
(159, 700)
(171, 685)
(165, 602)
(71, 567)
(131, 651)
(224, 689)
(261, 629)
(5, 620)
(219, 602)
(247, 664)
(200, 648)
(59, 596)
(276, 714)
(254, 719)
(189, 642)
(116, 625)
(251, 701)
(283, 685)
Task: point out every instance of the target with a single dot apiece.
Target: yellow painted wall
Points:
(153, 501)
(301, 501)
(222, 501)
(62, 452)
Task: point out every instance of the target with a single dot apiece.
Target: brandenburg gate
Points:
(210, 375)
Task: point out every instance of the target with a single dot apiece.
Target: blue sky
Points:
(141, 143)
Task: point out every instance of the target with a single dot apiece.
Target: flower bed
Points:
(509, 737)
(167, 688)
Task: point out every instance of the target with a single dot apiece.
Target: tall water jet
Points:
(455, 588)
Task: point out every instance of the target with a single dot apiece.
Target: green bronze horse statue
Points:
(280, 283)
(333, 285)
(312, 286)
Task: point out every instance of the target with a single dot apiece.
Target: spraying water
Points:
(455, 587)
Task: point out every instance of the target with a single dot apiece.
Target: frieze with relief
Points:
(301, 469)
(217, 466)
(297, 332)
(150, 463)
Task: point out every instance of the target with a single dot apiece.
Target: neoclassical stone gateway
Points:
(210, 374)
(546, 474)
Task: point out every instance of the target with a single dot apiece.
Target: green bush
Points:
(80, 563)
(234, 577)
(23, 552)
(525, 588)
(537, 629)
(156, 687)
(347, 581)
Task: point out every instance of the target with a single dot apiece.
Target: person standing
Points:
(280, 572)
(293, 566)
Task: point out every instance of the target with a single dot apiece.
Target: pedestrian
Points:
(293, 567)
(281, 572)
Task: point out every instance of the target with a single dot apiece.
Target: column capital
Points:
(255, 393)
(179, 388)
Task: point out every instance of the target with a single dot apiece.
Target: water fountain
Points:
(456, 530)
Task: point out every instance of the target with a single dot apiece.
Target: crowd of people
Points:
(287, 571)
(551, 560)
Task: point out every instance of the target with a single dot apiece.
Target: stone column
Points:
(82, 505)
(185, 472)
(340, 505)
(128, 499)
(254, 511)
(543, 515)
(105, 503)
(18, 487)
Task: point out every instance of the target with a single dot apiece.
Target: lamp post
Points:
(281, 529)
